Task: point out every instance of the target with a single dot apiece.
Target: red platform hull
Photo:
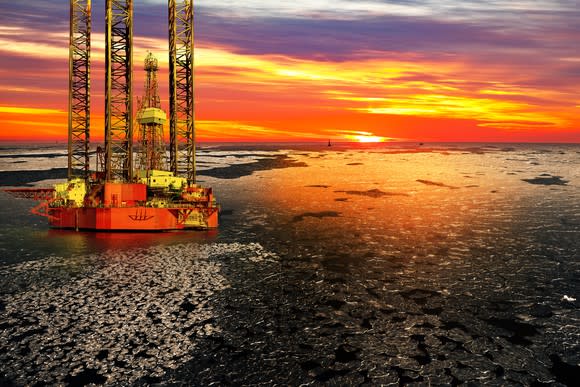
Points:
(130, 218)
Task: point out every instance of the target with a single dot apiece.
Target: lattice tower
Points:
(181, 89)
(151, 119)
(79, 89)
(118, 90)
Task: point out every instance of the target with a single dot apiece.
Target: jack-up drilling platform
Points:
(147, 193)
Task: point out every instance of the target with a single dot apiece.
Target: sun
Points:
(362, 136)
(367, 138)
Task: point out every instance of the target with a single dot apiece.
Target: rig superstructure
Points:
(131, 189)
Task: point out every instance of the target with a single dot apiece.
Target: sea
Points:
(351, 264)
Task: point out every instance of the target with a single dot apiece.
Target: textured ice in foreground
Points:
(114, 317)
(444, 265)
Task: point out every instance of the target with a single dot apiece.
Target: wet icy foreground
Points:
(116, 317)
(393, 265)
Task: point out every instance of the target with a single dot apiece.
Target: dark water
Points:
(384, 265)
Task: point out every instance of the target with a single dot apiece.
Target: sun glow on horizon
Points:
(370, 139)
(366, 138)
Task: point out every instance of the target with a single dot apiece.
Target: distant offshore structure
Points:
(148, 193)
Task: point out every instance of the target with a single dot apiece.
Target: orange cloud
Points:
(274, 97)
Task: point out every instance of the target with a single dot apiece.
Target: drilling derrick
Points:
(79, 87)
(181, 89)
(118, 90)
(151, 119)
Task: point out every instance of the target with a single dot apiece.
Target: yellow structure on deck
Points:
(157, 179)
(72, 192)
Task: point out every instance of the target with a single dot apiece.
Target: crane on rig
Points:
(145, 192)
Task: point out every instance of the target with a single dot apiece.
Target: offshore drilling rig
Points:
(145, 192)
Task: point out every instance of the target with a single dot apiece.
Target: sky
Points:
(313, 70)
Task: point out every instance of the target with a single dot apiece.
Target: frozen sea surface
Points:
(385, 265)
